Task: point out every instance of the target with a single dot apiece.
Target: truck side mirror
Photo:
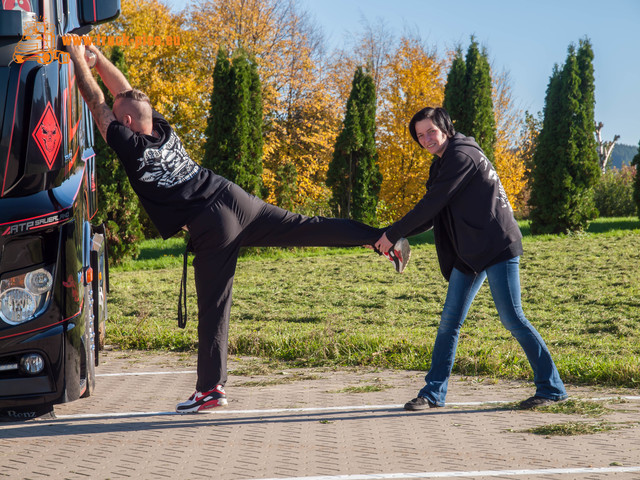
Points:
(92, 12)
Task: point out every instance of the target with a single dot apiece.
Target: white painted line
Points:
(134, 374)
(97, 416)
(224, 411)
(631, 398)
(334, 409)
(472, 473)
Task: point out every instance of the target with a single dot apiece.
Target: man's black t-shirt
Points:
(173, 188)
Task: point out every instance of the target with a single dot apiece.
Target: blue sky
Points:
(524, 38)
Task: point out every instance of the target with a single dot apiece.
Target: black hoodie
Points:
(468, 209)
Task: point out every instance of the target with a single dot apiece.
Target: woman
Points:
(476, 237)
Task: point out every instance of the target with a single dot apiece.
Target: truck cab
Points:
(53, 264)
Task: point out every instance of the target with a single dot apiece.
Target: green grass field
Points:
(316, 307)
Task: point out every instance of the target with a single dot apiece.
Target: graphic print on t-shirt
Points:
(167, 166)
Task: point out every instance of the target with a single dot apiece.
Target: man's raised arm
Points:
(89, 89)
(111, 76)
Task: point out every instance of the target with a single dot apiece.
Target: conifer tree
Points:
(255, 122)
(546, 181)
(118, 205)
(565, 164)
(219, 124)
(587, 163)
(455, 92)
(353, 174)
(480, 121)
(234, 128)
(285, 188)
(468, 97)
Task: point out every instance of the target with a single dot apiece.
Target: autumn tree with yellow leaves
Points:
(413, 80)
(512, 141)
(301, 117)
(159, 60)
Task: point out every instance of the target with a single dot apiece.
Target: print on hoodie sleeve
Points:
(493, 177)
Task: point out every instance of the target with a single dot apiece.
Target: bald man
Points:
(221, 217)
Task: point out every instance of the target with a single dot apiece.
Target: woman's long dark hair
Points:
(440, 118)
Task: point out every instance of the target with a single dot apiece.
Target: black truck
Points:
(53, 265)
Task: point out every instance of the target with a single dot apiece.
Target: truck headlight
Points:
(25, 296)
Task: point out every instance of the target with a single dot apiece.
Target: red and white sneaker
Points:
(203, 401)
(399, 254)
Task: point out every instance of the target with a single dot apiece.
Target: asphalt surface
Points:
(314, 424)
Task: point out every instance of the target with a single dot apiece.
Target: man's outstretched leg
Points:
(275, 227)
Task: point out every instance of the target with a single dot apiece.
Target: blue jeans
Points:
(504, 281)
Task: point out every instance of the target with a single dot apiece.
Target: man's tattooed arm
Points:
(90, 90)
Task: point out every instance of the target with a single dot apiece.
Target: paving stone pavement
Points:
(316, 424)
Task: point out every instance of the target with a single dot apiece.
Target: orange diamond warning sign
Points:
(47, 135)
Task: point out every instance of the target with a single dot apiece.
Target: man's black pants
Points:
(237, 219)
